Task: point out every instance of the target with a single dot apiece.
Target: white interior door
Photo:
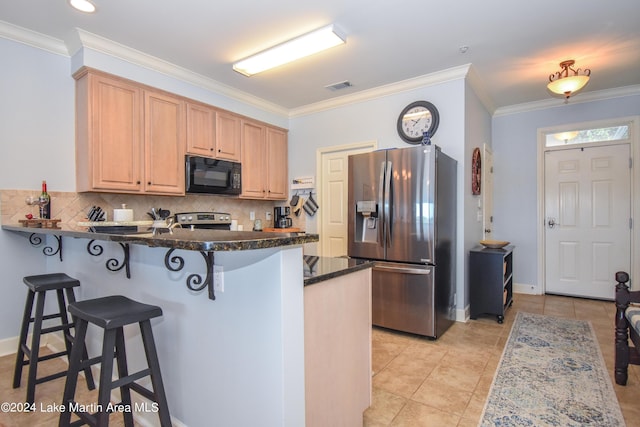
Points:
(487, 193)
(587, 219)
(333, 190)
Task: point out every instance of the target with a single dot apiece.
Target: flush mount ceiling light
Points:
(568, 81)
(83, 5)
(305, 45)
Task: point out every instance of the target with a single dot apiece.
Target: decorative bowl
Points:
(494, 244)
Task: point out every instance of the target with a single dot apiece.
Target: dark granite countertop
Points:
(177, 238)
(318, 269)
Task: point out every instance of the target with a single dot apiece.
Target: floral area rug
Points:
(551, 374)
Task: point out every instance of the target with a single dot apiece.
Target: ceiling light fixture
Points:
(305, 45)
(568, 81)
(83, 5)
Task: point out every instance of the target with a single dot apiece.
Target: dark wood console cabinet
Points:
(491, 281)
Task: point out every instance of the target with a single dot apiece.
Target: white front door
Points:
(587, 219)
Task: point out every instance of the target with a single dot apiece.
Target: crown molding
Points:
(449, 74)
(578, 99)
(94, 42)
(478, 87)
(32, 38)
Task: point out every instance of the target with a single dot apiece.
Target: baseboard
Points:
(463, 315)
(524, 288)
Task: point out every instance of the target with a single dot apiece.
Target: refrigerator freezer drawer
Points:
(403, 298)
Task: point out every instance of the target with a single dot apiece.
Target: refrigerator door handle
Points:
(381, 200)
(401, 270)
(387, 202)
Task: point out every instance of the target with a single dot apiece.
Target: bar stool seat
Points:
(38, 286)
(111, 314)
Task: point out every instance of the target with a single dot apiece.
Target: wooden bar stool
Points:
(38, 286)
(112, 313)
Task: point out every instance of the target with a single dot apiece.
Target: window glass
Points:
(584, 136)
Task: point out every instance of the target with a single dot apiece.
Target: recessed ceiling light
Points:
(83, 5)
(305, 45)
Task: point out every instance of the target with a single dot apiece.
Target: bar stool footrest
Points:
(51, 377)
(129, 379)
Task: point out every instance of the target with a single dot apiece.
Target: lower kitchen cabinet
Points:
(491, 281)
(337, 350)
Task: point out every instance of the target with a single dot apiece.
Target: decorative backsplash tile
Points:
(72, 207)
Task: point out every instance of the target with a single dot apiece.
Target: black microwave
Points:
(212, 176)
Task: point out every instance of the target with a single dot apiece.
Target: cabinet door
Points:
(201, 130)
(164, 143)
(277, 164)
(111, 147)
(253, 161)
(227, 144)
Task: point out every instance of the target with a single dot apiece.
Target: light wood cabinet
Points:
(164, 121)
(264, 162)
(277, 164)
(212, 133)
(201, 130)
(129, 139)
(108, 133)
(228, 144)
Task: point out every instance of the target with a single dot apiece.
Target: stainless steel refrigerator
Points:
(402, 213)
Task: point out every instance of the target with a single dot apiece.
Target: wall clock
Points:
(476, 172)
(417, 118)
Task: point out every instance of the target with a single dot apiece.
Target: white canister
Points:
(123, 215)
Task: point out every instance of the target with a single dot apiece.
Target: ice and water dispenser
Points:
(366, 221)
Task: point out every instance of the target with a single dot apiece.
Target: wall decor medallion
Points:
(416, 119)
(476, 172)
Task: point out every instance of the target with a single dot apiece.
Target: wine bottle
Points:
(45, 202)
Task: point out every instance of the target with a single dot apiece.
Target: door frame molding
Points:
(320, 153)
(634, 142)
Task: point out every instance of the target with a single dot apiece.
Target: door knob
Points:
(487, 230)
(551, 222)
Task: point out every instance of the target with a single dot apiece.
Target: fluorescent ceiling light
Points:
(83, 5)
(305, 45)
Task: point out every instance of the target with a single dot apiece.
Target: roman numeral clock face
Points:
(417, 118)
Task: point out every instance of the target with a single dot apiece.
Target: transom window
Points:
(584, 136)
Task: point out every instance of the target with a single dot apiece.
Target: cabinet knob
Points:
(138, 182)
(149, 183)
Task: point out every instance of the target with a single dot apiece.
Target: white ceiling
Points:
(512, 45)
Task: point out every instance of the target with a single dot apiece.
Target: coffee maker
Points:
(281, 217)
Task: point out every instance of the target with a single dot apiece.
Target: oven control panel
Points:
(203, 218)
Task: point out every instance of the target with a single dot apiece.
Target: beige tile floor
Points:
(421, 382)
(416, 382)
(48, 395)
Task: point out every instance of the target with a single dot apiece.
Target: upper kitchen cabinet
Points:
(228, 146)
(201, 130)
(264, 162)
(163, 143)
(129, 138)
(212, 133)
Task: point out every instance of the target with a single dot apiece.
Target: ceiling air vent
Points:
(339, 85)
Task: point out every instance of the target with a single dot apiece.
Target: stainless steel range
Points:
(208, 220)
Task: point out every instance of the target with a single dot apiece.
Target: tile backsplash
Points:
(72, 207)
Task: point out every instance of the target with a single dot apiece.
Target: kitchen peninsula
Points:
(238, 360)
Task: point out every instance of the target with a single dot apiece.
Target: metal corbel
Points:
(112, 264)
(36, 240)
(194, 281)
